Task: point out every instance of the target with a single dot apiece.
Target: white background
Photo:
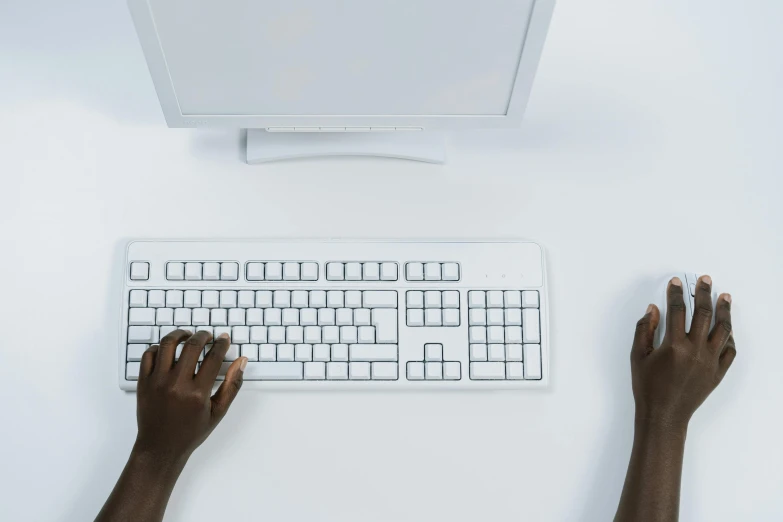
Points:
(651, 144)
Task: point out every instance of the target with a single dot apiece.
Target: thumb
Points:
(645, 332)
(227, 391)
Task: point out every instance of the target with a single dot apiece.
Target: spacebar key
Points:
(273, 371)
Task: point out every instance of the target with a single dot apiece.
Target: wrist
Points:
(667, 426)
(157, 461)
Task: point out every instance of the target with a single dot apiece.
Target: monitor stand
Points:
(427, 146)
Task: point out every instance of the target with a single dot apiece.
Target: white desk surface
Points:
(651, 144)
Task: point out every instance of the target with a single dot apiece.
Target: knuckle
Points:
(704, 311)
(677, 306)
(725, 325)
(643, 322)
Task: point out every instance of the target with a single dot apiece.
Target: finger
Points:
(147, 362)
(227, 392)
(722, 330)
(645, 332)
(726, 358)
(168, 345)
(191, 351)
(675, 310)
(212, 361)
(702, 315)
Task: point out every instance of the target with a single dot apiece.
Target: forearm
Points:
(652, 486)
(143, 490)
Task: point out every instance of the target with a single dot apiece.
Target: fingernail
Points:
(649, 309)
(707, 279)
(243, 364)
(676, 281)
(223, 336)
(727, 297)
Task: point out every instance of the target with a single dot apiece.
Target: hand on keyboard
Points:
(176, 409)
(672, 381)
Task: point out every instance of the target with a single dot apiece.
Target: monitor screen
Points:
(342, 57)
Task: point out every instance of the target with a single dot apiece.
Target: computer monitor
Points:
(332, 77)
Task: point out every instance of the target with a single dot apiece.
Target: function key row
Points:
(432, 271)
(194, 271)
(281, 271)
(361, 271)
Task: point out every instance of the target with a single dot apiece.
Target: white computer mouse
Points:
(689, 280)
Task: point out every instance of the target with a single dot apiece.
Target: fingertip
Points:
(676, 281)
(243, 364)
(706, 279)
(725, 297)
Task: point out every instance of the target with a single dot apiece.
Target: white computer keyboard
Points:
(347, 314)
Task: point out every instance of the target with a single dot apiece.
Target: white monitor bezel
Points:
(538, 26)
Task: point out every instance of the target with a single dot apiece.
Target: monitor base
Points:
(427, 146)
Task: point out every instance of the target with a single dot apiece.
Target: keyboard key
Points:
(530, 326)
(415, 317)
(233, 353)
(132, 371)
(273, 271)
(141, 316)
(514, 352)
(477, 317)
(254, 316)
(317, 299)
(312, 334)
(414, 272)
(513, 334)
(264, 299)
(496, 352)
(450, 317)
(272, 317)
(246, 298)
(174, 299)
(450, 299)
(326, 317)
(415, 371)
(229, 271)
(294, 334)
(373, 352)
(353, 299)
(236, 316)
(433, 352)
(512, 299)
(362, 317)
(415, 299)
(193, 271)
(482, 371)
(240, 335)
(267, 352)
(495, 317)
(210, 298)
(513, 317)
(359, 370)
(452, 371)
(366, 334)
(138, 299)
(303, 352)
(532, 361)
(218, 331)
(476, 299)
(330, 335)
(309, 271)
(285, 352)
(275, 334)
(218, 317)
(371, 272)
(384, 371)
(274, 371)
(514, 371)
(254, 272)
(339, 352)
(433, 317)
(335, 272)
(321, 352)
(175, 271)
(335, 299)
(210, 271)
(208, 329)
(348, 334)
(291, 271)
(530, 299)
(192, 298)
(495, 299)
(299, 299)
(258, 334)
(315, 371)
(432, 299)
(385, 323)
(450, 271)
(337, 371)
(282, 299)
(182, 316)
(290, 317)
(432, 271)
(477, 334)
(388, 271)
(199, 317)
(250, 351)
(139, 271)
(308, 317)
(156, 298)
(433, 371)
(344, 317)
(228, 299)
(135, 351)
(495, 334)
(164, 316)
(379, 299)
(353, 272)
(143, 334)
